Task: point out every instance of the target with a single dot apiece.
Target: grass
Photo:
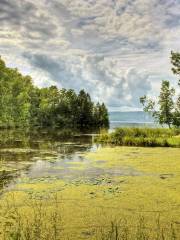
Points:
(35, 222)
(46, 224)
(136, 198)
(144, 137)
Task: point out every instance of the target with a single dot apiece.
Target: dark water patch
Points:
(26, 155)
(6, 177)
(166, 175)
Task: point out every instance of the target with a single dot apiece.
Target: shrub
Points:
(144, 137)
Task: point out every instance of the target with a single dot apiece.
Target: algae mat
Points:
(116, 193)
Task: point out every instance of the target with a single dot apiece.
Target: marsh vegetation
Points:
(75, 189)
(143, 137)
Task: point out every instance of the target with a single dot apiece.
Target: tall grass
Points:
(145, 137)
(141, 231)
(39, 222)
(31, 221)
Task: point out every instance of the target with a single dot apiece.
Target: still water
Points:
(131, 119)
(48, 155)
(41, 155)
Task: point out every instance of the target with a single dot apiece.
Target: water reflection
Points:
(40, 154)
(50, 156)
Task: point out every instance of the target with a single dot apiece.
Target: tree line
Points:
(166, 110)
(22, 105)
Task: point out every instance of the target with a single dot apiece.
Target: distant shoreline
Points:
(131, 122)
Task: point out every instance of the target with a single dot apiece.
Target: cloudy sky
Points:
(117, 50)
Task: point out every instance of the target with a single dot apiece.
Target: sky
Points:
(117, 50)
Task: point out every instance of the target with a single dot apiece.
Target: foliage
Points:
(175, 60)
(23, 105)
(166, 104)
(165, 114)
(144, 137)
(165, 111)
(14, 97)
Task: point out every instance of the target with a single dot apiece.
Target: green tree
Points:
(35, 107)
(104, 116)
(49, 99)
(175, 60)
(14, 97)
(166, 104)
(163, 111)
(85, 110)
(101, 117)
(176, 117)
(67, 109)
(24, 105)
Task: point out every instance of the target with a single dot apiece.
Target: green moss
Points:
(88, 205)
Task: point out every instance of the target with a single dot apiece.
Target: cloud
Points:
(100, 76)
(116, 50)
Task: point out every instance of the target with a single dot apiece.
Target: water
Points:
(130, 119)
(48, 155)
(55, 154)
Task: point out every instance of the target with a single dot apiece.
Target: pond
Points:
(42, 155)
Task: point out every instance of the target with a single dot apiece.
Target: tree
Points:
(24, 105)
(175, 60)
(176, 118)
(166, 111)
(101, 117)
(14, 97)
(67, 109)
(104, 116)
(85, 109)
(163, 115)
(166, 104)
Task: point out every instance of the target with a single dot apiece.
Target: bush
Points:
(144, 137)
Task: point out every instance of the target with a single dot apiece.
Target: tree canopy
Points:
(22, 104)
